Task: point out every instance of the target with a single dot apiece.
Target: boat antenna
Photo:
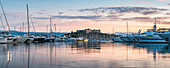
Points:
(5, 17)
(28, 19)
(2, 23)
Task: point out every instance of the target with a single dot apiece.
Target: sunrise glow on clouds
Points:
(139, 15)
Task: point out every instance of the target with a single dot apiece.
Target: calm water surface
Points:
(84, 55)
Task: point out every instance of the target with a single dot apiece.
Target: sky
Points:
(71, 15)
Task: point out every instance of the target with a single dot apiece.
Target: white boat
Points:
(71, 39)
(11, 39)
(3, 40)
(117, 36)
(149, 38)
(21, 39)
(39, 39)
(49, 39)
(116, 39)
(61, 39)
(127, 38)
(164, 33)
(94, 40)
(29, 40)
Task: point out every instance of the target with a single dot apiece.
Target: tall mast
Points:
(28, 19)
(32, 24)
(55, 27)
(113, 29)
(20, 30)
(5, 17)
(2, 23)
(50, 27)
(23, 28)
(127, 27)
(47, 28)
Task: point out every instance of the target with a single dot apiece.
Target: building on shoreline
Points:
(90, 34)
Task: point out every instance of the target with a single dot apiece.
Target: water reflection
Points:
(86, 47)
(84, 54)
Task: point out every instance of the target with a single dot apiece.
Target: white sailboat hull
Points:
(22, 40)
(9, 41)
(116, 39)
(3, 40)
(29, 40)
(126, 39)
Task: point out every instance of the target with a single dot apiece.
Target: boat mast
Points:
(113, 29)
(127, 27)
(47, 28)
(33, 24)
(155, 25)
(55, 27)
(28, 19)
(5, 17)
(2, 23)
(50, 27)
(23, 28)
(20, 30)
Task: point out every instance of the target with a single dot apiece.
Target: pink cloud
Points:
(144, 2)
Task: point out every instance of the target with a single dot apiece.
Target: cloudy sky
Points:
(70, 15)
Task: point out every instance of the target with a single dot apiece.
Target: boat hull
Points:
(3, 40)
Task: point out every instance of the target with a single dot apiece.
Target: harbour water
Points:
(84, 55)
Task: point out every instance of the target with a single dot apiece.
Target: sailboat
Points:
(128, 37)
(10, 38)
(50, 38)
(27, 36)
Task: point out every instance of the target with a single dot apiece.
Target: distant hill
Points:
(13, 32)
